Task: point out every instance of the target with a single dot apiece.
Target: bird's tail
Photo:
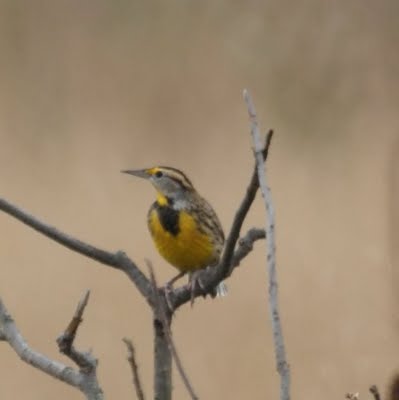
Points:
(221, 289)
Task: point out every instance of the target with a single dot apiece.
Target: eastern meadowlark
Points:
(185, 228)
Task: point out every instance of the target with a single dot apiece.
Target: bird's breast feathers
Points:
(178, 238)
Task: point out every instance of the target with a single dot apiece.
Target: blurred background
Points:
(90, 88)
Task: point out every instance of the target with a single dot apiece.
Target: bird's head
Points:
(170, 183)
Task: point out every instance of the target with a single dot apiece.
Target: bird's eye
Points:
(158, 174)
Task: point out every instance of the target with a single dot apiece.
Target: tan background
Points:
(89, 88)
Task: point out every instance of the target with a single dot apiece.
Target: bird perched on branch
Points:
(185, 228)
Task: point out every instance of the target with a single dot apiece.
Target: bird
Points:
(184, 227)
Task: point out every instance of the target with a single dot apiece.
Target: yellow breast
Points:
(188, 249)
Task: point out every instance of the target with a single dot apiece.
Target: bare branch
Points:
(375, 392)
(77, 319)
(279, 346)
(85, 361)
(131, 357)
(160, 309)
(55, 369)
(12, 335)
(245, 245)
(118, 260)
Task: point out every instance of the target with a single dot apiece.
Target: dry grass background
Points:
(89, 88)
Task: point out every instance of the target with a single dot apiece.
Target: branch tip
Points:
(70, 331)
(131, 357)
(88, 384)
(65, 341)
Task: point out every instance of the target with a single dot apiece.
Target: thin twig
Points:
(375, 392)
(245, 245)
(118, 260)
(225, 266)
(32, 357)
(88, 384)
(77, 319)
(65, 341)
(86, 362)
(131, 358)
(279, 346)
(160, 306)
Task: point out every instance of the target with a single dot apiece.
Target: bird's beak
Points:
(141, 173)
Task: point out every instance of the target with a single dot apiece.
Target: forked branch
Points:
(84, 380)
(85, 361)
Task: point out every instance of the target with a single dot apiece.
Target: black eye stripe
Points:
(158, 174)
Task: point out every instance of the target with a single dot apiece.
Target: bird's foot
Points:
(195, 280)
(168, 291)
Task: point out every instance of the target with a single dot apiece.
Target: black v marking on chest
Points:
(168, 217)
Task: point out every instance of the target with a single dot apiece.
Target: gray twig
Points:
(118, 260)
(131, 358)
(245, 245)
(225, 267)
(160, 308)
(87, 383)
(279, 346)
(86, 362)
(65, 341)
